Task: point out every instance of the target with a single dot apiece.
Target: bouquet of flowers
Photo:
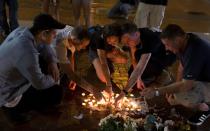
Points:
(152, 122)
(119, 122)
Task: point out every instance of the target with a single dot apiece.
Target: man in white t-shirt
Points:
(72, 39)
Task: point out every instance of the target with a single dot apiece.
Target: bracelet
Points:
(124, 91)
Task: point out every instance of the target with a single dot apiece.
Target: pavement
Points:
(193, 16)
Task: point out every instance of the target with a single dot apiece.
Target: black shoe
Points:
(199, 118)
(15, 117)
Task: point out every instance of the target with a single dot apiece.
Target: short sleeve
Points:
(150, 40)
(193, 64)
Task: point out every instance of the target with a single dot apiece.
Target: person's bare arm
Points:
(181, 86)
(179, 75)
(105, 68)
(138, 71)
(133, 59)
(80, 81)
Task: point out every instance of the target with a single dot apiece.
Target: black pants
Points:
(34, 99)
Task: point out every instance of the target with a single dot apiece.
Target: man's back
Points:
(195, 59)
(19, 66)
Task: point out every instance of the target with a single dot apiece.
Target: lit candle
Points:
(90, 103)
(83, 94)
(134, 104)
(131, 95)
(84, 104)
(90, 94)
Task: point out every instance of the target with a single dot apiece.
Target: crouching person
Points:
(71, 39)
(192, 87)
(23, 86)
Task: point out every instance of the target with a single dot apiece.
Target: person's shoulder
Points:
(19, 35)
(196, 40)
(65, 32)
(149, 34)
(146, 30)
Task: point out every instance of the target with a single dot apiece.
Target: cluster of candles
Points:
(125, 104)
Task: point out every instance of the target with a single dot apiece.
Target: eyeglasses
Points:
(53, 32)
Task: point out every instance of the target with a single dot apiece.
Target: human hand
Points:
(72, 48)
(108, 90)
(69, 45)
(54, 71)
(148, 93)
(172, 99)
(97, 94)
(203, 107)
(140, 84)
(72, 85)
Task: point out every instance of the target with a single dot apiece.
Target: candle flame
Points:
(125, 104)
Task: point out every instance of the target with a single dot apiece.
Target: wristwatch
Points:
(157, 93)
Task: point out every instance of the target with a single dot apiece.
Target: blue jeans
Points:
(13, 21)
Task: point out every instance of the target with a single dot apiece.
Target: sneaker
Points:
(199, 118)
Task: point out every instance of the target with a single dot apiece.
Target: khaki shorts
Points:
(148, 15)
(200, 93)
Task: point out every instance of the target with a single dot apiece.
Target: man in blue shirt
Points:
(192, 87)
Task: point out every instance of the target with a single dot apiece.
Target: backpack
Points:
(95, 30)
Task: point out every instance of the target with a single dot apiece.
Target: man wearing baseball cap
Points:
(23, 86)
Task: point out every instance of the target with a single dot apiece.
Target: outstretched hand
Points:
(108, 90)
(72, 85)
(148, 93)
(172, 99)
(122, 94)
(97, 94)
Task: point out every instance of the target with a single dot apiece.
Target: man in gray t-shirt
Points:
(20, 75)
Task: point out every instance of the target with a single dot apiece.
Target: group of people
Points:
(149, 13)
(52, 7)
(48, 6)
(30, 77)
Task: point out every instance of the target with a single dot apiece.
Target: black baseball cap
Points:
(46, 22)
